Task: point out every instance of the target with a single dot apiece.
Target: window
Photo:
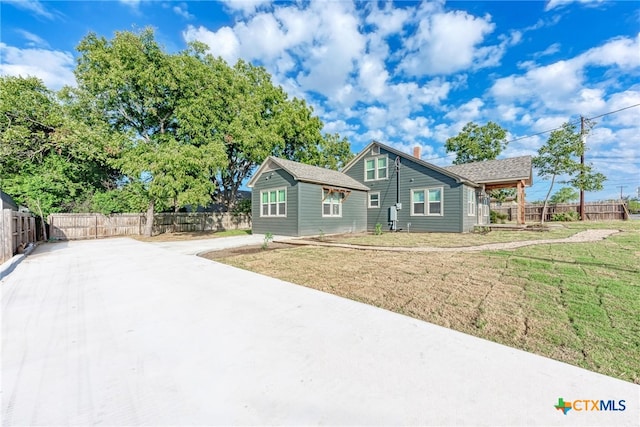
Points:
(374, 200)
(375, 168)
(426, 201)
(471, 202)
(273, 202)
(332, 203)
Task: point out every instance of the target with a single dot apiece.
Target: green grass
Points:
(585, 300)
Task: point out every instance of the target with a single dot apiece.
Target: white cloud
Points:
(552, 4)
(34, 6)
(449, 42)
(389, 20)
(246, 7)
(33, 40)
(182, 10)
(467, 112)
(223, 42)
(550, 50)
(562, 86)
(54, 68)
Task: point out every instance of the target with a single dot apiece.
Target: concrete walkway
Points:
(195, 247)
(581, 237)
(119, 332)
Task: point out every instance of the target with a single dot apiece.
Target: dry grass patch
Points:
(448, 240)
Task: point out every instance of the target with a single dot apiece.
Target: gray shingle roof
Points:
(488, 171)
(318, 175)
(8, 202)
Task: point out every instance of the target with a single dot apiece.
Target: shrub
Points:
(497, 217)
(378, 231)
(268, 238)
(565, 216)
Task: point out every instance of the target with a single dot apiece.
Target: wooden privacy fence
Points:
(595, 211)
(17, 229)
(94, 225)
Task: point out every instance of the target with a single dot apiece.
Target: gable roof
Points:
(494, 171)
(308, 173)
(452, 174)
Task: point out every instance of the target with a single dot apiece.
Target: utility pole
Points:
(583, 137)
(621, 187)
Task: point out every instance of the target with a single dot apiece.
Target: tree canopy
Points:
(476, 143)
(560, 156)
(149, 130)
(51, 160)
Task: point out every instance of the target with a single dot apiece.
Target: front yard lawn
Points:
(578, 303)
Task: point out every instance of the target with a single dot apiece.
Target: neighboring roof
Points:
(406, 156)
(494, 171)
(7, 201)
(308, 173)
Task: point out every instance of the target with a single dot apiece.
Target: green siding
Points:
(285, 226)
(311, 221)
(412, 176)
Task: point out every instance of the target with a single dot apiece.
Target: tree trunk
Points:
(546, 200)
(148, 227)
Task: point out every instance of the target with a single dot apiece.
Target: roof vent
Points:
(375, 150)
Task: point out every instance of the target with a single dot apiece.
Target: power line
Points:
(613, 112)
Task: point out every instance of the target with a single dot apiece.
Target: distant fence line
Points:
(595, 211)
(17, 230)
(94, 225)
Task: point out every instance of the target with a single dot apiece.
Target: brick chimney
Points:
(416, 151)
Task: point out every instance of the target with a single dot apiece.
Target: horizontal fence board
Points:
(594, 211)
(93, 226)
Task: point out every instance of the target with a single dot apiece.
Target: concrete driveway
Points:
(195, 247)
(120, 332)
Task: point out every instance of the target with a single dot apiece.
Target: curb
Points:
(8, 266)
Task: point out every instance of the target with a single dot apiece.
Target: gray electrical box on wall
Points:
(393, 213)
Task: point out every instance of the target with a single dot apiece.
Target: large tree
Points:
(146, 94)
(52, 158)
(257, 119)
(560, 156)
(476, 143)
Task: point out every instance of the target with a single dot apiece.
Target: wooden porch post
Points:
(521, 216)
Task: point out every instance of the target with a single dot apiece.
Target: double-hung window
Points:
(273, 202)
(375, 168)
(332, 203)
(471, 202)
(426, 201)
(374, 200)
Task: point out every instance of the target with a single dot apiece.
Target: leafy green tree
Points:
(255, 119)
(51, 159)
(561, 156)
(148, 95)
(564, 195)
(476, 143)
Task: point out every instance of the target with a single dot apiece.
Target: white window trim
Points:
(427, 210)
(277, 215)
(376, 169)
(332, 215)
(471, 202)
(369, 200)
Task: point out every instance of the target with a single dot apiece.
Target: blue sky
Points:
(403, 73)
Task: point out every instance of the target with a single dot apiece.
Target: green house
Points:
(381, 185)
(294, 199)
